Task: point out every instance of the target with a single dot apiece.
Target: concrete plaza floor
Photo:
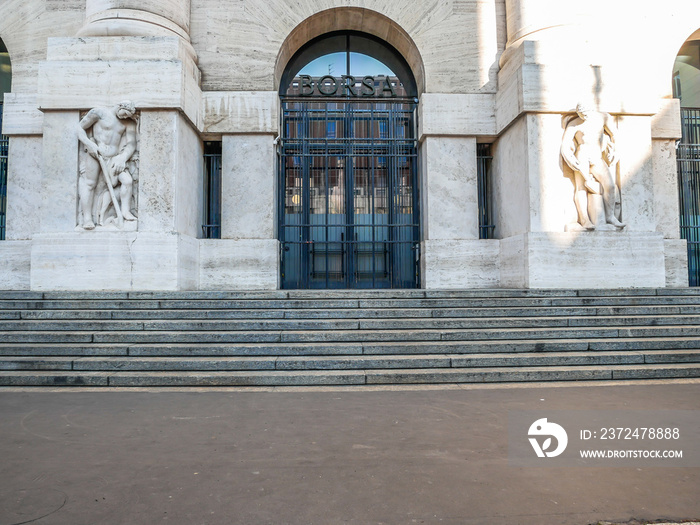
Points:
(318, 456)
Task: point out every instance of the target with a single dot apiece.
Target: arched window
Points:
(348, 208)
(5, 86)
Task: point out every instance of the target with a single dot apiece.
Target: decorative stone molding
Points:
(588, 148)
(108, 172)
(136, 18)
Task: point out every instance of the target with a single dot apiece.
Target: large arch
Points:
(351, 19)
(349, 214)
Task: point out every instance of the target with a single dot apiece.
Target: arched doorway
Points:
(348, 188)
(686, 87)
(5, 86)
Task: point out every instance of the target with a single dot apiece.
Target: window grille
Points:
(688, 159)
(211, 229)
(483, 159)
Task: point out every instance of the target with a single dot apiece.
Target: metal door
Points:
(348, 210)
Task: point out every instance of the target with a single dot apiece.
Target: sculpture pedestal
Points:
(126, 261)
(583, 260)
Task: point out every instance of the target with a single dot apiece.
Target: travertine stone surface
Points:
(582, 260)
(15, 258)
(190, 180)
(154, 72)
(20, 115)
(551, 190)
(23, 199)
(458, 264)
(239, 264)
(248, 187)
(666, 124)
(24, 29)
(240, 112)
(136, 17)
(665, 189)
(114, 261)
(635, 173)
(170, 185)
(514, 262)
(511, 158)
(676, 259)
(449, 188)
(58, 195)
(465, 115)
(538, 78)
(458, 43)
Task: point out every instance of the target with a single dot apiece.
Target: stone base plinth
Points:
(583, 260)
(676, 258)
(247, 264)
(459, 264)
(15, 261)
(114, 261)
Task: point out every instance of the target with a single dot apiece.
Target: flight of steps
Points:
(289, 338)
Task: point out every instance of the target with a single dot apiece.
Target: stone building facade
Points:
(574, 101)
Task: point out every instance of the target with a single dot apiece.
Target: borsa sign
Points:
(346, 85)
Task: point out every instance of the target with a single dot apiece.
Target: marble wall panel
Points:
(465, 115)
(239, 45)
(241, 112)
(665, 188)
(170, 174)
(249, 187)
(635, 172)
(21, 115)
(449, 186)
(458, 264)
(511, 178)
(24, 201)
(58, 192)
(15, 263)
(246, 264)
(676, 262)
(113, 261)
(595, 260)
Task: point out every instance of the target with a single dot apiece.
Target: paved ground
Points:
(317, 457)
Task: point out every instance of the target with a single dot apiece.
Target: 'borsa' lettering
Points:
(347, 85)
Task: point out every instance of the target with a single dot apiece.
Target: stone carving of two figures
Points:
(588, 147)
(108, 166)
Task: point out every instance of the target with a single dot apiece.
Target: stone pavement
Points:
(319, 456)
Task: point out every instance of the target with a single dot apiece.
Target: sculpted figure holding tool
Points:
(109, 137)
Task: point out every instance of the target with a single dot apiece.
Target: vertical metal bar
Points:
(4, 147)
(688, 162)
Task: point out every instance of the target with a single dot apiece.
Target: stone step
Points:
(314, 294)
(288, 325)
(349, 377)
(348, 302)
(346, 337)
(320, 349)
(357, 335)
(345, 362)
(642, 312)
